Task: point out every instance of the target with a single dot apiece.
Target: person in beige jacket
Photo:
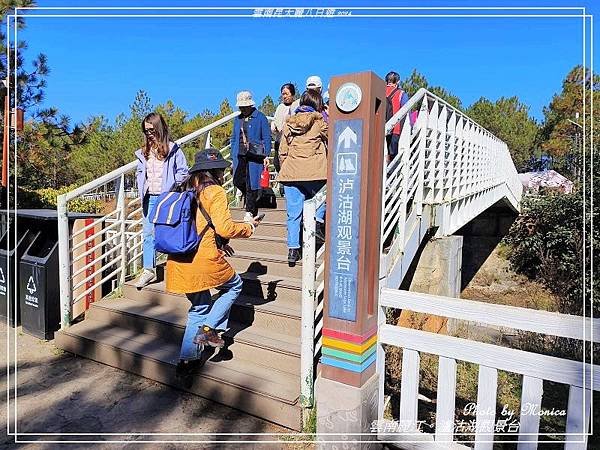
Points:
(303, 156)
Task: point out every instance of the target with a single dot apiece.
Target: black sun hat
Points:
(207, 159)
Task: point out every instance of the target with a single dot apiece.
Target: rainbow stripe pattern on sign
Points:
(349, 351)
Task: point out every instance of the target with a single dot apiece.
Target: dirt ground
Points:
(496, 283)
(61, 393)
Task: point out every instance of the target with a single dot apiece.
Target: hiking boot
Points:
(148, 276)
(248, 217)
(294, 256)
(208, 336)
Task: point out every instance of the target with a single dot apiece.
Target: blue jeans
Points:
(205, 311)
(295, 195)
(149, 253)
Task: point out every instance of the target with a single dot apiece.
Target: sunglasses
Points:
(151, 131)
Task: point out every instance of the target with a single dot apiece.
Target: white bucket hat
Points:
(313, 82)
(244, 98)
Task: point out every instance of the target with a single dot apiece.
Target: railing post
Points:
(421, 128)
(64, 262)
(122, 206)
(307, 352)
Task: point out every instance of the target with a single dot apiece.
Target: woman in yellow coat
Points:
(207, 268)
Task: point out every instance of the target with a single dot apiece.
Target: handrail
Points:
(310, 295)
(111, 176)
(121, 224)
(412, 101)
(533, 368)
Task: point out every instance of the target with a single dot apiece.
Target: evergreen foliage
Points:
(509, 120)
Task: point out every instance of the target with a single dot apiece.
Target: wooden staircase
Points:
(259, 369)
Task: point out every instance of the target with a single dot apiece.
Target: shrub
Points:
(546, 243)
(47, 198)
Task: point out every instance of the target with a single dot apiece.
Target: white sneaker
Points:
(148, 276)
(248, 217)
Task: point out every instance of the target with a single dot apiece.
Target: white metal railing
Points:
(108, 195)
(313, 287)
(117, 248)
(446, 163)
(534, 368)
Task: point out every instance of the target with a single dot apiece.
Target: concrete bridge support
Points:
(437, 271)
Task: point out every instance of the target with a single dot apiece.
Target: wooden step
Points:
(264, 286)
(264, 263)
(281, 313)
(246, 341)
(274, 229)
(255, 389)
(262, 244)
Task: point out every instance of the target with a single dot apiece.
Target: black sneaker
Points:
(208, 336)
(294, 256)
(183, 368)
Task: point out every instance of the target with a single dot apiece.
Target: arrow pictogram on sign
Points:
(2, 279)
(347, 137)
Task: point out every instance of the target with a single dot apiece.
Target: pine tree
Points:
(31, 82)
(560, 137)
(220, 136)
(267, 107)
(509, 120)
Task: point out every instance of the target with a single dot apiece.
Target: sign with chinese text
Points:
(344, 223)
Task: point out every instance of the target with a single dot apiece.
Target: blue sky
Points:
(98, 64)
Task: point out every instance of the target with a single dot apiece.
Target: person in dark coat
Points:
(251, 127)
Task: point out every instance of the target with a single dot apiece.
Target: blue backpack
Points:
(174, 225)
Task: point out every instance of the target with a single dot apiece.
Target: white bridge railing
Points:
(581, 378)
(448, 170)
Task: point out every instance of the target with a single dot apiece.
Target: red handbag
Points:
(265, 178)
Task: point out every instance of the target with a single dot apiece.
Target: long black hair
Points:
(161, 135)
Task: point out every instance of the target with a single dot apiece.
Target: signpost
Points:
(347, 387)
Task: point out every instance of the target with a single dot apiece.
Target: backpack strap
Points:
(205, 214)
(219, 240)
(396, 89)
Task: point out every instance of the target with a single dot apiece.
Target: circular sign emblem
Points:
(348, 97)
